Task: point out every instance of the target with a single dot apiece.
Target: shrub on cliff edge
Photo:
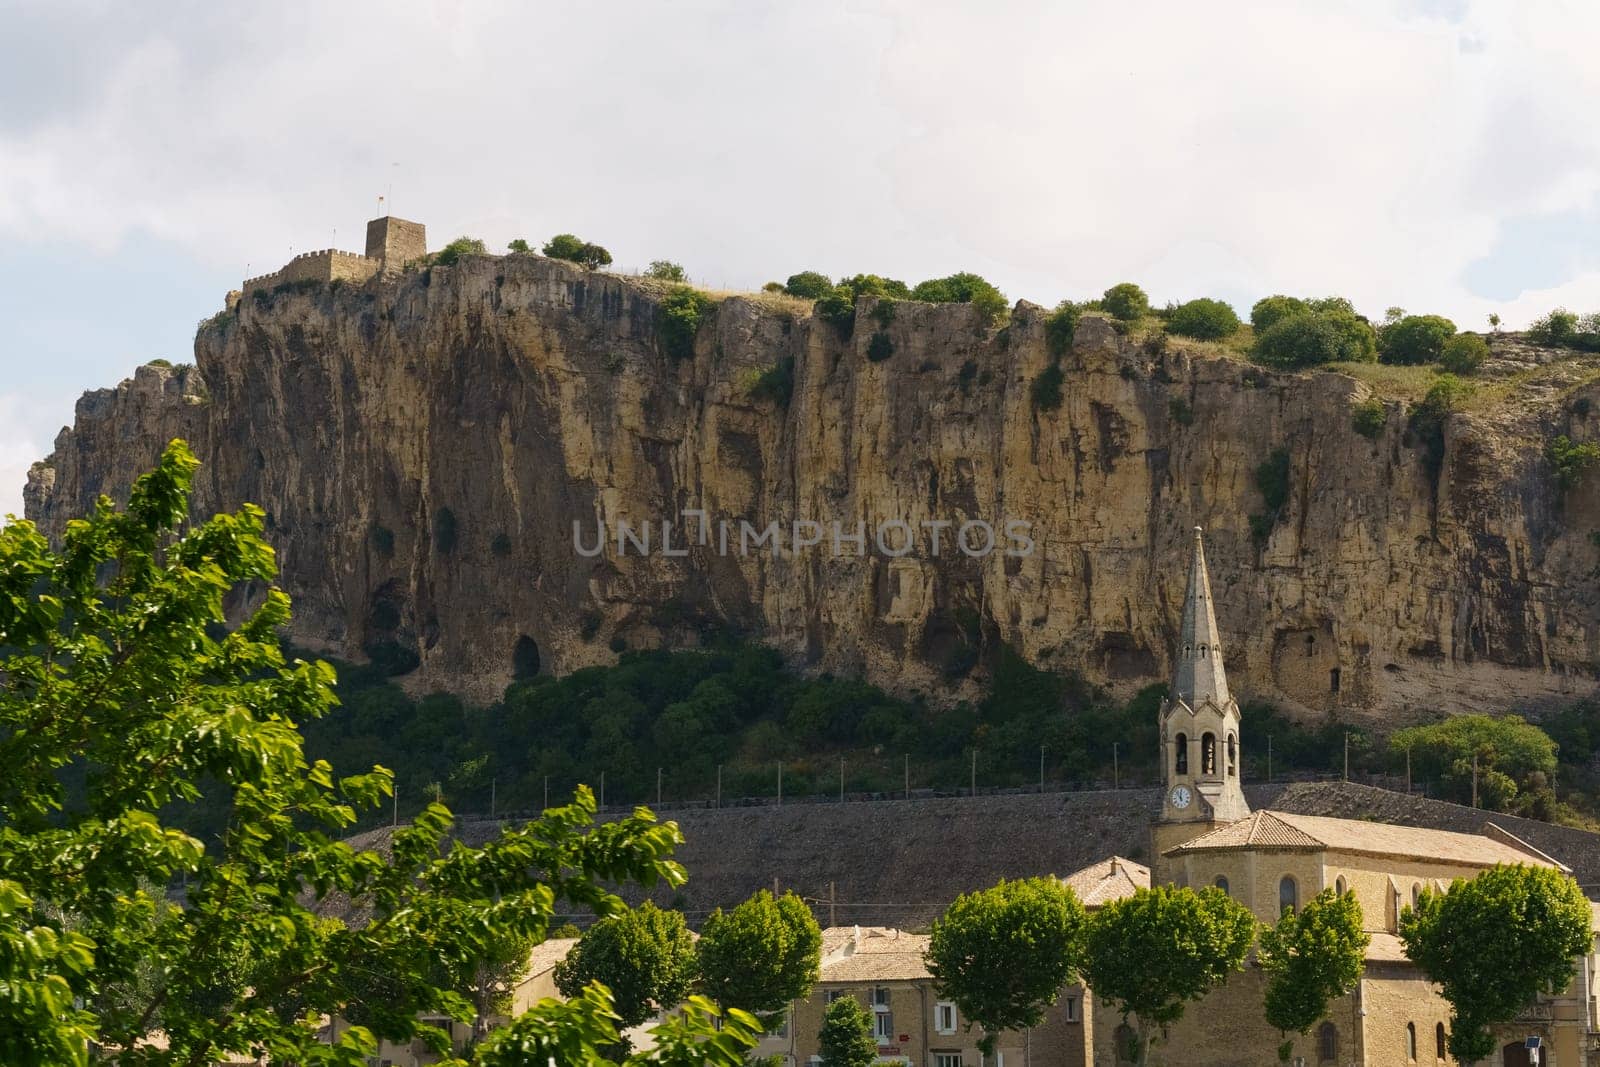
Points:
(461, 246)
(678, 321)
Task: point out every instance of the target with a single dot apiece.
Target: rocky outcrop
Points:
(424, 445)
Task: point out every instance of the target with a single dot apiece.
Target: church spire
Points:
(1197, 674)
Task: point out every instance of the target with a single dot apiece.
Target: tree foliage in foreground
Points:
(1311, 957)
(644, 956)
(1152, 953)
(1002, 954)
(761, 955)
(845, 1039)
(125, 692)
(1496, 942)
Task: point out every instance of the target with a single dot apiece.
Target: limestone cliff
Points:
(424, 444)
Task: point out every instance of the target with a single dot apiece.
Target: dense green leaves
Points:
(1125, 301)
(678, 321)
(1415, 339)
(964, 288)
(575, 250)
(1508, 754)
(845, 1039)
(808, 285)
(1154, 952)
(1496, 942)
(1312, 337)
(645, 957)
(1203, 319)
(1311, 957)
(762, 954)
(666, 270)
(1570, 459)
(1463, 354)
(1003, 954)
(124, 691)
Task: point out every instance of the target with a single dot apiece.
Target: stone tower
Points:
(396, 242)
(1199, 730)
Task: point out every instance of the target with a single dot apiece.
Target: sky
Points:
(1437, 155)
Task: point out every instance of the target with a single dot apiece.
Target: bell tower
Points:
(1199, 728)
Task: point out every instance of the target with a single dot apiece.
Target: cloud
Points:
(18, 451)
(1393, 154)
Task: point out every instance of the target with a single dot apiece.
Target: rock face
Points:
(424, 446)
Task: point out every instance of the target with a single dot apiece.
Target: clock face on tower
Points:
(1180, 796)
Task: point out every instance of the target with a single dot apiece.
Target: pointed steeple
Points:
(1197, 673)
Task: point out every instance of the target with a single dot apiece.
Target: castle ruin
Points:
(391, 244)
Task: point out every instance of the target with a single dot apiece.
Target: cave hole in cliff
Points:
(525, 658)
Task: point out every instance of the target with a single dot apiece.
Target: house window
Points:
(1333, 680)
(1411, 1042)
(1181, 754)
(947, 1059)
(1328, 1043)
(780, 1028)
(1072, 1009)
(834, 994)
(1288, 895)
(880, 998)
(944, 1017)
(1208, 754)
(1233, 756)
(1221, 883)
(1440, 1049)
(883, 1026)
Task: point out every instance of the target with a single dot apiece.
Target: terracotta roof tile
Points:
(1111, 879)
(873, 954)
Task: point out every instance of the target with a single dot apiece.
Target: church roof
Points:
(1314, 833)
(873, 954)
(1197, 673)
(1111, 879)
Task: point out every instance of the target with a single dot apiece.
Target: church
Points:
(1206, 835)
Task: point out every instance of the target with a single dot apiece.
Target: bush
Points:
(1203, 319)
(1125, 302)
(1463, 354)
(1060, 326)
(964, 288)
(519, 245)
(666, 270)
(1570, 460)
(1046, 388)
(1415, 339)
(880, 347)
(776, 383)
(461, 246)
(808, 285)
(883, 312)
(838, 306)
(1267, 311)
(1310, 338)
(1560, 327)
(1368, 417)
(570, 248)
(1272, 480)
(1444, 396)
(875, 285)
(678, 321)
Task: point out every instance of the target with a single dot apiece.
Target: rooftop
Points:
(873, 954)
(1314, 833)
(1113, 878)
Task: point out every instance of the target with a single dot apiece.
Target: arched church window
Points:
(1288, 894)
(1440, 1047)
(1339, 885)
(1416, 894)
(1221, 882)
(1208, 754)
(1181, 754)
(1233, 756)
(1328, 1043)
(1411, 1041)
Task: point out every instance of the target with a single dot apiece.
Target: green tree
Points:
(1415, 339)
(876, 285)
(1369, 416)
(845, 1039)
(1463, 354)
(1560, 327)
(575, 250)
(1060, 326)
(1507, 754)
(1310, 338)
(964, 288)
(1152, 953)
(645, 957)
(678, 321)
(1311, 957)
(808, 285)
(761, 955)
(1125, 301)
(117, 658)
(1494, 943)
(518, 245)
(1203, 319)
(666, 270)
(1570, 459)
(451, 253)
(1269, 309)
(1003, 954)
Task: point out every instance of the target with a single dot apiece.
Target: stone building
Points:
(1206, 835)
(391, 244)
